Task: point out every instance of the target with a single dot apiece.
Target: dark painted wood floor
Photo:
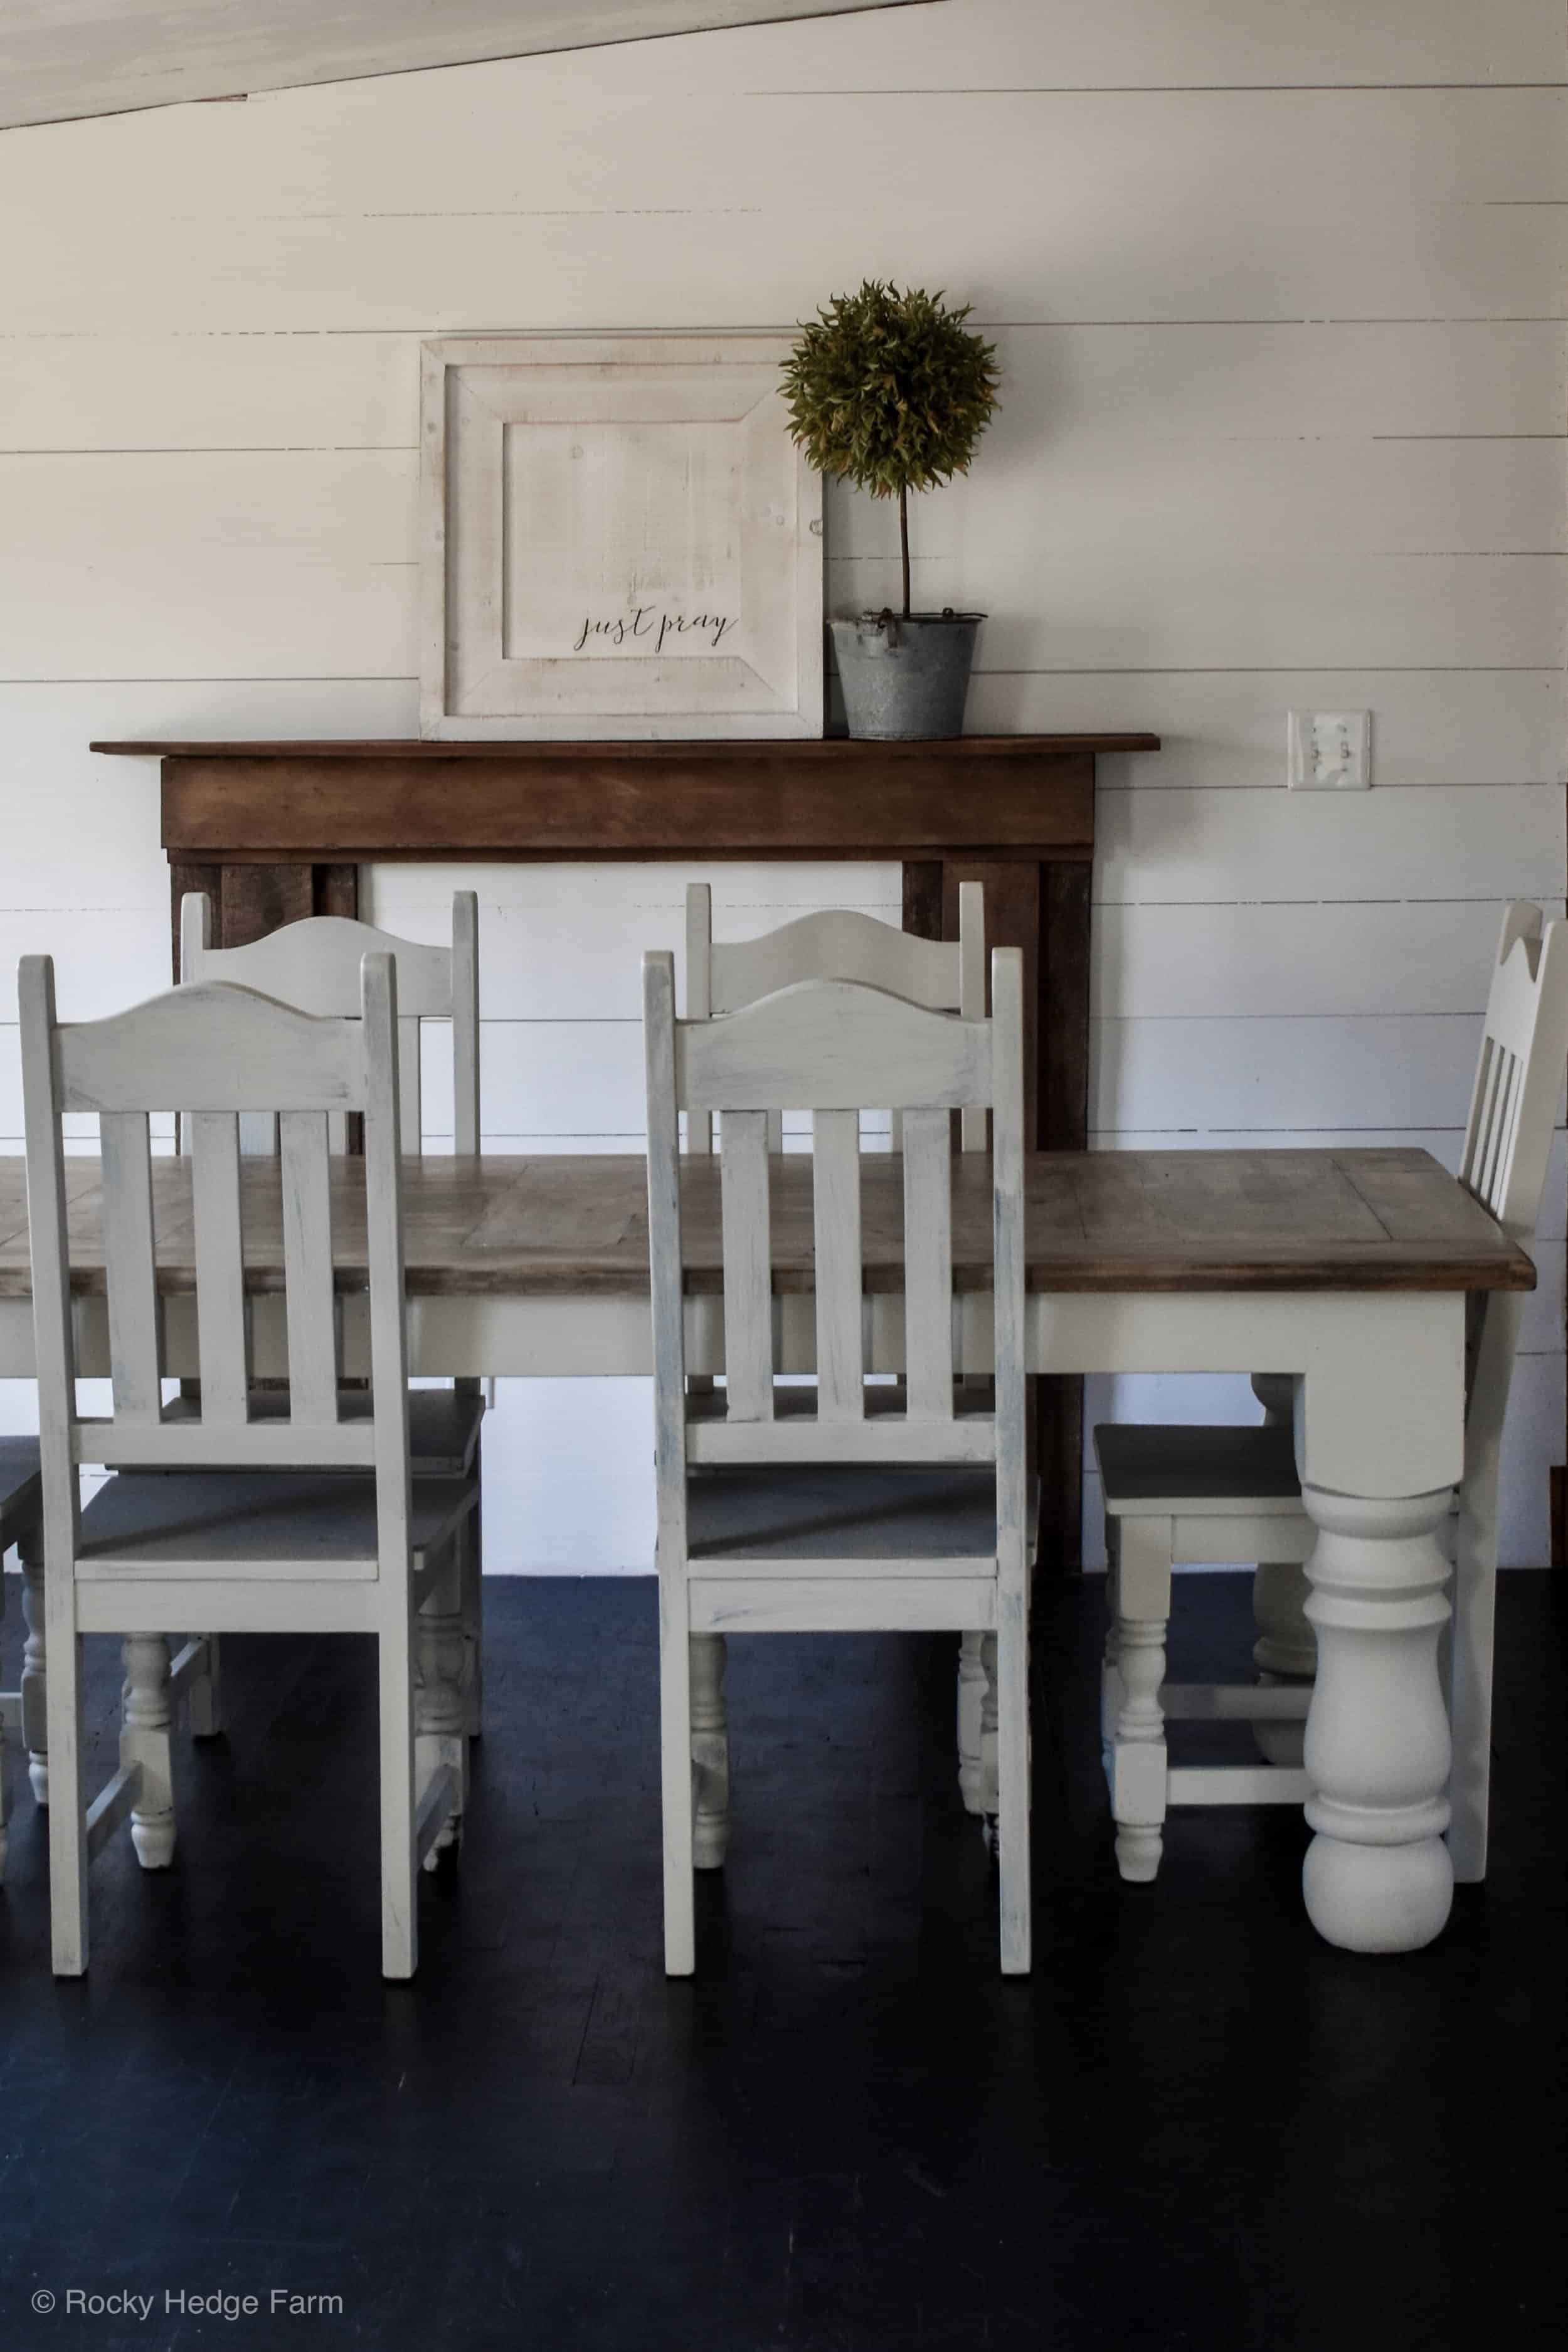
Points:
(1194, 2126)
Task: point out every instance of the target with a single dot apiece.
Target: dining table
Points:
(1355, 1271)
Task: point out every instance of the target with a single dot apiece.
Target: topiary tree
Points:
(892, 391)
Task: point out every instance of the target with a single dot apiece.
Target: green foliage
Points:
(890, 391)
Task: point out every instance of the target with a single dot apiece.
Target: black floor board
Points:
(1194, 2126)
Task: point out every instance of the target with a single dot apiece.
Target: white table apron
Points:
(1380, 1448)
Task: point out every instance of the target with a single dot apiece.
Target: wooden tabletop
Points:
(1139, 1221)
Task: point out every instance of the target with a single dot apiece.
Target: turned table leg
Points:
(1377, 1876)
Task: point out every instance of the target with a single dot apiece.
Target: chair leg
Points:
(971, 1699)
(144, 1740)
(4, 1767)
(1009, 1658)
(203, 1692)
(1286, 1651)
(676, 1778)
(68, 1819)
(440, 1733)
(399, 1875)
(34, 1679)
(1138, 1760)
(1109, 1664)
(471, 1546)
(710, 1752)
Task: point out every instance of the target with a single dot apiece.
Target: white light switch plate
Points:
(1330, 750)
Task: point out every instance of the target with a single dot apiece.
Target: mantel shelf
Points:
(840, 750)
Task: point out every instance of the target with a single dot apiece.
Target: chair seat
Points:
(442, 1424)
(857, 1512)
(323, 1519)
(21, 1488)
(1157, 1468)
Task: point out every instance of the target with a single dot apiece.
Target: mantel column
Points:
(249, 900)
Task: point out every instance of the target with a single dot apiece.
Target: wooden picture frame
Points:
(618, 539)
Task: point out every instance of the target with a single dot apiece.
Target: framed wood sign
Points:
(620, 539)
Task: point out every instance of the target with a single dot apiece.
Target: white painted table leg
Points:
(709, 1753)
(144, 1740)
(440, 1715)
(971, 1697)
(1377, 1876)
(35, 1683)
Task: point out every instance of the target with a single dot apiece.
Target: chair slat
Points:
(928, 1264)
(410, 1115)
(840, 1347)
(748, 1272)
(465, 1022)
(129, 1266)
(308, 1268)
(971, 991)
(221, 1323)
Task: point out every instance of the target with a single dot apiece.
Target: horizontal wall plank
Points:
(1498, 841)
(1253, 498)
(106, 957)
(236, 563)
(566, 942)
(1155, 962)
(1396, 1071)
(1069, 391)
(420, 149)
(229, 613)
(1228, 728)
(1155, 607)
(1063, 44)
(398, 210)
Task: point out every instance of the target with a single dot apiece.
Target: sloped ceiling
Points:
(63, 59)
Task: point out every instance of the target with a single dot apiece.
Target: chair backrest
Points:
(1519, 1076)
(833, 1047)
(314, 965)
(725, 976)
(212, 1052)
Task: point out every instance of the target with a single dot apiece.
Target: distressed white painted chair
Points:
(845, 1506)
(254, 1528)
(21, 1523)
(1182, 1494)
(725, 976)
(314, 965)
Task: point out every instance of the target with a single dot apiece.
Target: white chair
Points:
(725, 976)
(21, 1523)
(314, 965)
(1182, 1495)
(782, 1532)
(263, 1532)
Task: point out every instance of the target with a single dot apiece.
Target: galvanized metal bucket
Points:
(905, 675)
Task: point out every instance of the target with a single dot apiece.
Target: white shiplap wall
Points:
(1279, 296)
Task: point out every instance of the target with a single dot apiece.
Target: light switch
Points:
(1330, 750)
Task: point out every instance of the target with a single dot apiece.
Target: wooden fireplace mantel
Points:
(274, 830)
